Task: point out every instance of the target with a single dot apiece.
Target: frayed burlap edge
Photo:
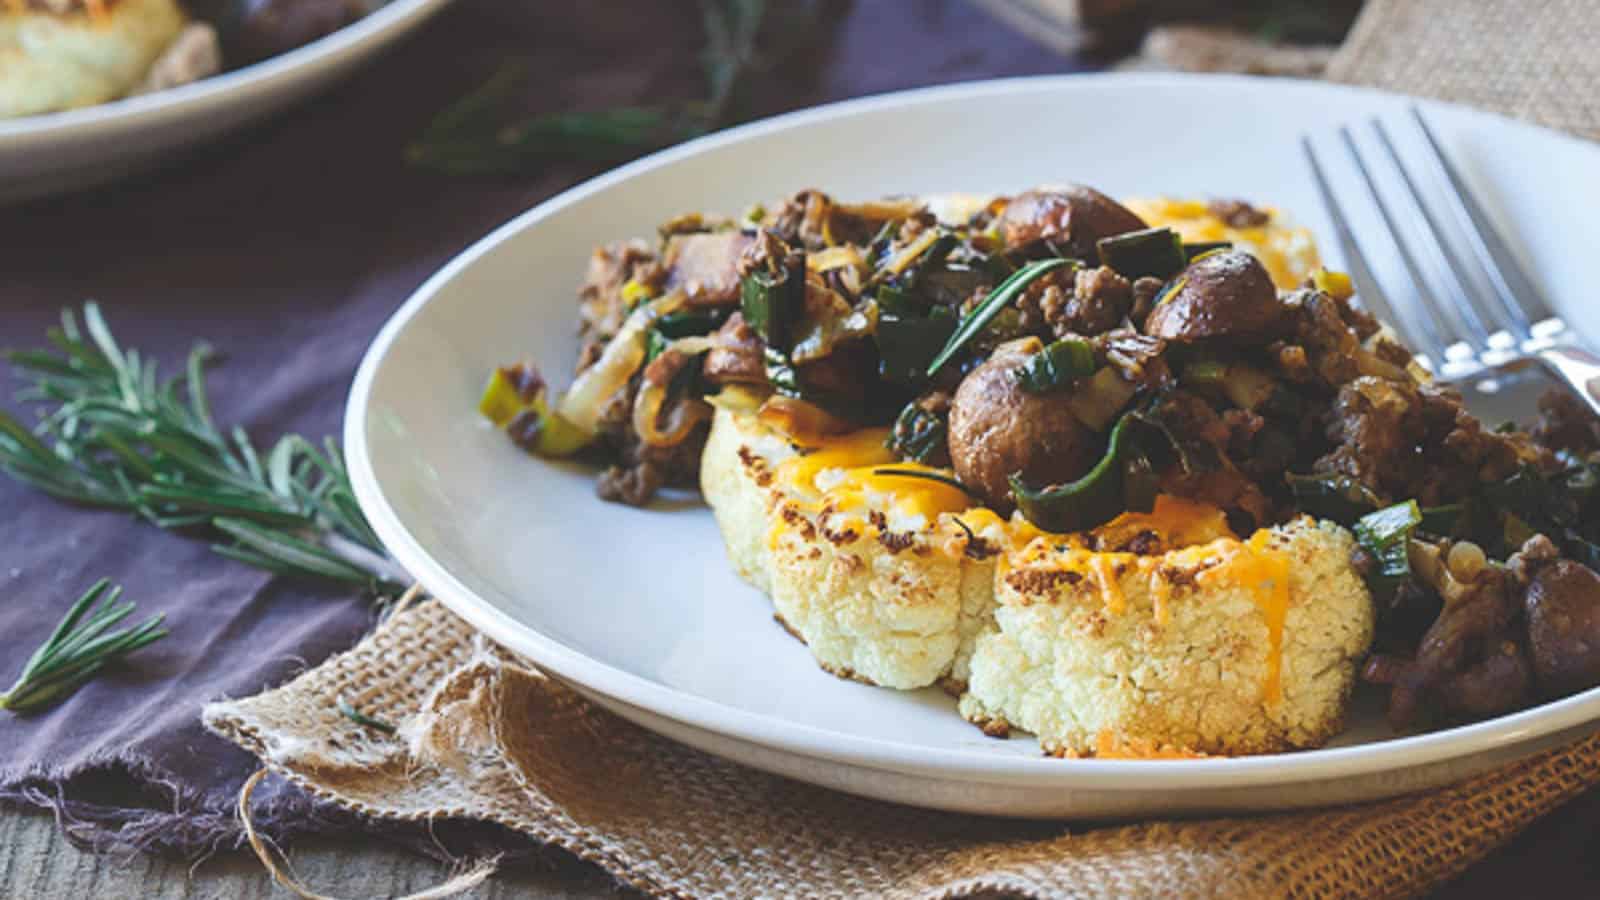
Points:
(483, 737)
(1532, 59)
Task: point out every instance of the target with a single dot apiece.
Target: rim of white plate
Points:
(809, 741)
(176, 103)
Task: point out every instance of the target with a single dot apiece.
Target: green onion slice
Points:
(1057, 365)
(1152, 252)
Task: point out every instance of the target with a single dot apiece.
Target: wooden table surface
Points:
(1560, 852)
(941, 40)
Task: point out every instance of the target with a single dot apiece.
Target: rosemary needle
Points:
(79, 648)
(361, 718)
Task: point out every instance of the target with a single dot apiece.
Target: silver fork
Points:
(1466, 334)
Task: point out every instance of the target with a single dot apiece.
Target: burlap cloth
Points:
(483, 737)
(1533, 59)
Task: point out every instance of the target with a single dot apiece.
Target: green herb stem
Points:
(999, 298)
(81, 645)
(113, 434)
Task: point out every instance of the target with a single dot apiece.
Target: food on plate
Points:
(1140, 479)
(64, 54)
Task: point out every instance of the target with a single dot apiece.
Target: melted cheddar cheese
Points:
(1287, 251)
(845, 476)
(1264, 573)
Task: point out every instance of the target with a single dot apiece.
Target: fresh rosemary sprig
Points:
(79, 647)
(113, 434)
(743, 38)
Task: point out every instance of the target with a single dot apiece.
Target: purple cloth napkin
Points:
(286, 249)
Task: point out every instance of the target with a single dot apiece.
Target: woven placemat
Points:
(482, 737)
(1532, 59)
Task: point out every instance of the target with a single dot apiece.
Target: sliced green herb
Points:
(1152, 253)
(1338, 498)
(1057, 365)
(773, 300)
(907, 344)
(919, 435)
(1385, 534)
(692, 323)
(1096, 498)
(1003, 294)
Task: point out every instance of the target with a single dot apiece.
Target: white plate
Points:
(640, 611)
(78, 148)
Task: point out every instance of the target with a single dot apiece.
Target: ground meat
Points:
(1098, 302)
(1402, 440)
(644, 470)
(601, 308)
(1243, 426)
(1391, 352)
(1327, 346)
(633, 486)
(1565, 423)
(1364, 324)
(1238, 214)
(1211, 476)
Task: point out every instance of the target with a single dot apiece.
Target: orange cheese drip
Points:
(1176, 521)
(1264, 573)
(1161, 594)
(859, 456)
(1105, 572)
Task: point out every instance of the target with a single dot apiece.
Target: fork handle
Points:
(1579, 369)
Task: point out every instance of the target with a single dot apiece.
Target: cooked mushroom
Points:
(997, 429)
(1072, 218)
(1563, 609)
(1224, 294)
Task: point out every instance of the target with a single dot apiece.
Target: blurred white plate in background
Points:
(78, 148)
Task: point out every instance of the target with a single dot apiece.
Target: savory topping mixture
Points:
(1059, 361)
(63, 54)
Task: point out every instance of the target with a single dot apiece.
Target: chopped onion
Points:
(802, 421)
(912, 251)
(739, 398)
(1098, 400)
(692, 345)
(681, 419)
(882, 210)
(845, 255)
(596, 385)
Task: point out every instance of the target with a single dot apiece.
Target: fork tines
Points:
(1460, 320)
